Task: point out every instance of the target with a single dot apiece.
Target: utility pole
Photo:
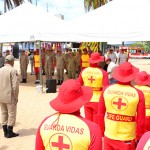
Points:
(5, 6)
(36, 2)
(47, 6)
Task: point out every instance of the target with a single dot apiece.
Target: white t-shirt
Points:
(123, 57)
(113, 57)
(110, 69)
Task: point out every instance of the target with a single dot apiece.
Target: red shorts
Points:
(110, 144)
(36, 70)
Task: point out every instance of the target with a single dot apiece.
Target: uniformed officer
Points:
(60, 64)
(78, 61)
(66, 129)
(96, 78)
(2, 59)
(123, 108)
(49, 63)
(9, 90)
(24, 61)
(71, 65)
(142, 83)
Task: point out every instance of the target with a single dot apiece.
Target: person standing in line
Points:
(96, 78)
(142, 81)
(31, 58)
(123, 57)
(2, 60)
(66, 129)
(60, 64)
(71, 65)
(7, 53)
(110, 70)
(123, 109)
(49, 63)
(37, 65)
(112, 56)
(78, 61)
(9, 90)
(85, 59)
(43, 61)
(24, 61)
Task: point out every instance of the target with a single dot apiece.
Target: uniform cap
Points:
(9, 58)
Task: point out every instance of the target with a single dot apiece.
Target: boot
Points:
(10, 133)
(5, 130)
(25, 80)
(58, 82)
(22, 81)
(61, 81)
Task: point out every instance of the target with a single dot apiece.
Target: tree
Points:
(144, 45)
(93, 4)
(10, 4)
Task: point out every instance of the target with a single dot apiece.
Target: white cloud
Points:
(69, 8)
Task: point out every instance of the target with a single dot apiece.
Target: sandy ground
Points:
(33, 107)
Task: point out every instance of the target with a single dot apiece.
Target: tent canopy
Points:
(118, 20)
(123, 20)
(26, 22)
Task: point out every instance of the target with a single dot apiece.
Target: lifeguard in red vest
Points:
(66, 129)
(142, 81)
(123, 108)
(96, 78)
(37, 65)
(85, 59)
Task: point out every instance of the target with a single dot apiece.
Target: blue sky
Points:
(71, 9)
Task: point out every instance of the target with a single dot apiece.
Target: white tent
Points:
(123, 20)
(28, 23)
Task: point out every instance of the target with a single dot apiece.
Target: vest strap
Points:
(121, 118)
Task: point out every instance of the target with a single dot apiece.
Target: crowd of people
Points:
(114, 93)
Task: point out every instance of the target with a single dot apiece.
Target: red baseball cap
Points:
(95, 58)
(71, 97)
(108, 59)
(142, 78)
(125, 72)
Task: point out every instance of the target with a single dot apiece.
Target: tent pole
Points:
(41, 78)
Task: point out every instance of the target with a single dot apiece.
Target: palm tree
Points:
(93, 4)
(10, 4)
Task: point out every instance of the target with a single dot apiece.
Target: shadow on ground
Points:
(27, 132)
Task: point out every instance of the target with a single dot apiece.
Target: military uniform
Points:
(72, 66)
(24, 61)
(9, 90)
(60, 64)
(49, 65)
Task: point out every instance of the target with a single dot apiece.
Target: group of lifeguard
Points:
(119, 112)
